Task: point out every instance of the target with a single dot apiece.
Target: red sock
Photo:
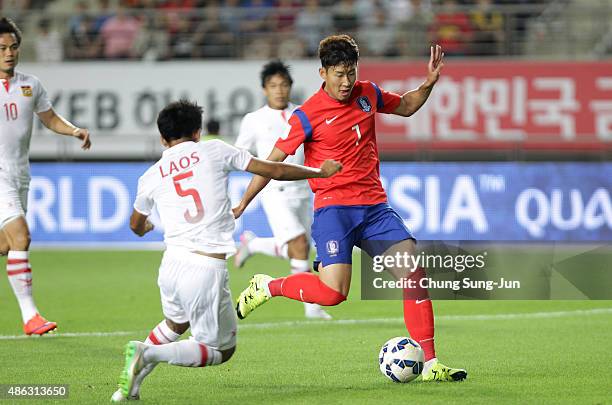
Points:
(305, 287)
(419, 318)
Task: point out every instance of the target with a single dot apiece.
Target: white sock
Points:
(310, 307)
(299, 266)
(428, 365)
(160, 335)
(267, 246)
(186, 353)
(20, 276)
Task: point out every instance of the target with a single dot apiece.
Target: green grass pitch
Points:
(563, 357)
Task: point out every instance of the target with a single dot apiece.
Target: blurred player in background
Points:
(188, 186)
(22, 96)
(351, 209)
(212, 130)
(287, 205)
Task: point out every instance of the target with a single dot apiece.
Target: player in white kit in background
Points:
(189, 187)
(287, 205)
(22, 96)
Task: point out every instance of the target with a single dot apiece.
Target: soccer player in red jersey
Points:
(351, 209)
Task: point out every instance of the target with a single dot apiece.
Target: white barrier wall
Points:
(119, 101)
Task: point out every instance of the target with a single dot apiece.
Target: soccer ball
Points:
(401, 359)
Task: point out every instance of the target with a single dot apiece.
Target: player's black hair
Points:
(275, 67)
(338, 50)
(180, 119)
(8, 26)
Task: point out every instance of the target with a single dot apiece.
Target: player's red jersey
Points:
(346, 133)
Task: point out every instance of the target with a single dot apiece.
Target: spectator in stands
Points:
(451, 29)
(80, 12)
(231, 15)
(178, 5)
(48, 43)
(259, 47)
(285, 15)
(399, 11)
(183, 41)
(82, 41)
(258, 17)
(37, 4)
(290, 48)
(489, 29)
(312, 24)
(345, 17)
(413, 32)
(176, 11)
(213, 39)
(103, 13)
(365, 10)
(256, 25)
(153, 40)
(377, 37)
(118, 35)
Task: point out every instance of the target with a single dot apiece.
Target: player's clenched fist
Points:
(330, 167)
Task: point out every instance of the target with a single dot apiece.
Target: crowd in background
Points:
(192, 29)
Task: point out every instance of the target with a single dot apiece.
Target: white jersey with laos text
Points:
(189, 187)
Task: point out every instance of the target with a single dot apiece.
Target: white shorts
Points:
(195, 289)
(289, 217)
(13, 200)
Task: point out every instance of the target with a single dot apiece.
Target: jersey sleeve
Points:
(144, 201)
(42, 102)
(299, 131)
(246, 137)
(232, 157)
(386, 101)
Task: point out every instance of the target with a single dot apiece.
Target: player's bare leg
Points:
(419, 316)
(165, 332)
(337, 277)
(298, 249)
(17, 236)
(4, 246)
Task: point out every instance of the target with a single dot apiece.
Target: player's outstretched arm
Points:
(288, 171)
(62, 126)
(257, 184)
(414, 99)
(139, 224)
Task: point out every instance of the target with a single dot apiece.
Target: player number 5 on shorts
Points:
(356, 129)
(189, 192)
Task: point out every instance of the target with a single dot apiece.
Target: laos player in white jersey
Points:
(189, 188)
(21, 96)
(287, 205)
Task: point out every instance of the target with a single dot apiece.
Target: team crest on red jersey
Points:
(364, 104)
(26, 91)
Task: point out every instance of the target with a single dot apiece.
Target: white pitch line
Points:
(71, 334)
(272, 325)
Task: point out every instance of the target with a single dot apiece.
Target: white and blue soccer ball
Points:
(401, 359)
